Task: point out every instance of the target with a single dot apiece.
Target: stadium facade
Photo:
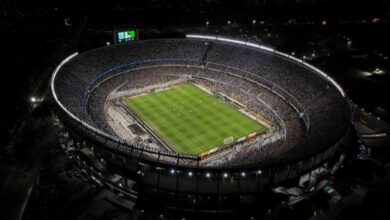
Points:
(306, 111)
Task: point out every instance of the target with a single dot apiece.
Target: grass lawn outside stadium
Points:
(190, 120)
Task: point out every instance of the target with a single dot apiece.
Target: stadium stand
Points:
(308, 114)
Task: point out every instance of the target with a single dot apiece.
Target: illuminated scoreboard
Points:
(126, 35)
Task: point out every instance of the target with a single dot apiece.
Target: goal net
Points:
(228, 140)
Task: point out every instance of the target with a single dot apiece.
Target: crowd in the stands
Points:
(303, 107)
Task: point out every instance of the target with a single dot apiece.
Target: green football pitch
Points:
(190, 120)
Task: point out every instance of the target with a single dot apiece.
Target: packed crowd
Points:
(302, 106)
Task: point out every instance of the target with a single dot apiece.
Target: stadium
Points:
(203, 123)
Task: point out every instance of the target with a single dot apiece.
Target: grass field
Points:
(190, 120)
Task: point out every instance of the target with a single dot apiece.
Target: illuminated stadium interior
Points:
(293, 99)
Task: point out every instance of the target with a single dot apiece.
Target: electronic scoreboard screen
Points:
(126, 35)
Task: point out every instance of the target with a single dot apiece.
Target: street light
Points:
(34, 99)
